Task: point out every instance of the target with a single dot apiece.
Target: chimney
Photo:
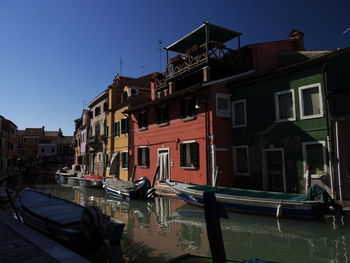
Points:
(298, 36)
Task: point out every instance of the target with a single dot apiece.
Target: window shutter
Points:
(145, 120)
(139, 120)
(195, 154)
(118, 128)
(183, 109)
(182, 155)
(147, 156)
(191, 106)
(166, 113)
(139, 156)
(126, 125)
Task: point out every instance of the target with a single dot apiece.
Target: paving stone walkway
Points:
(21, 244)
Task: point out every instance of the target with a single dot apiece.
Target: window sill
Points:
(125, 169)
(143, 128)
(144, 167)
(189, 118)
(189, 168)
(311, 116)
(163, 124)
(286, 120)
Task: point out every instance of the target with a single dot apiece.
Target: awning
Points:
(197, 37)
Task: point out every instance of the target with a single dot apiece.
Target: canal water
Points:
(163, 228)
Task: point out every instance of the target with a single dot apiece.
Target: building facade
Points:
(97, 136)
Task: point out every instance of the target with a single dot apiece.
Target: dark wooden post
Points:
(212, 213)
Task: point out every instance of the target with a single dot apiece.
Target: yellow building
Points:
(122, 93)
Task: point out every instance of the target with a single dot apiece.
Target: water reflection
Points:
(159, 229)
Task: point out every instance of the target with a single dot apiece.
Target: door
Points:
(274, 170)
(163, 162)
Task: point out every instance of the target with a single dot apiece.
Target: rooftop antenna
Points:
(84, 103)
(142, 67)
(346, 31)
(160, 42)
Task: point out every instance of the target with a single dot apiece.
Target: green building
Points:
(284, 135)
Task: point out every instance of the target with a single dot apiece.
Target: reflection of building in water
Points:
(162, 211)
(163, 236)
(283, 241)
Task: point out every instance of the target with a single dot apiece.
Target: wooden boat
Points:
(73, 181)
(91, 181)
(129, 190)
(71, 224)
(254, 201)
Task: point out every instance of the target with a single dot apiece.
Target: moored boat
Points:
(129, 190)
(254, 201)
(73, 181)
(91, 181)
(71, 224)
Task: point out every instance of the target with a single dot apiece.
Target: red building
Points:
(186, 126)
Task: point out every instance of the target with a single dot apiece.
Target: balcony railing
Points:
(196, 58)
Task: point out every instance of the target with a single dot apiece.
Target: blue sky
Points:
(57, 54)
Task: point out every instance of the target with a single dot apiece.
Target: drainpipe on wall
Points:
(330, 156)
(338, 160)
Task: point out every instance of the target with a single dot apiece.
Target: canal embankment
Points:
(19, 243)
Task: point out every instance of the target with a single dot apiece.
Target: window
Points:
(188, 108)
(284, 106)
(124, 96)
(117, 129)
(143, 156)
(239, 116)
(163, 114)
(36, 139)
(241, 160)
(52, 150)
(124, 126)
(106, 129)
(223, 105)
(42, 150)
(314, 155)
(105, 106)
(125, 160)
(310, 98)
(142, 120)
(97, 111)
(24, 140)
(97, 129)
(189, 155)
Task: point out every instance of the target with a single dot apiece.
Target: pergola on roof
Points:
(198, 37)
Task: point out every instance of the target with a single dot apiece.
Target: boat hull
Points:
(127, 190)
(278, 208)
(90, 183)
(41, 212)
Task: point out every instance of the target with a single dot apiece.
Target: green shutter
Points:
(182, 155)
(147, 156)
(124, 160)
(139, 120)
(166, 113)
(194, 147)
(139, 157)
(145, 120)
(117, 132)
(183, 109)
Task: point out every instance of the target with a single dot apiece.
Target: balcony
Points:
(203, 47)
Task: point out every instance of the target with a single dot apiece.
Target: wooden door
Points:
(275, 170)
